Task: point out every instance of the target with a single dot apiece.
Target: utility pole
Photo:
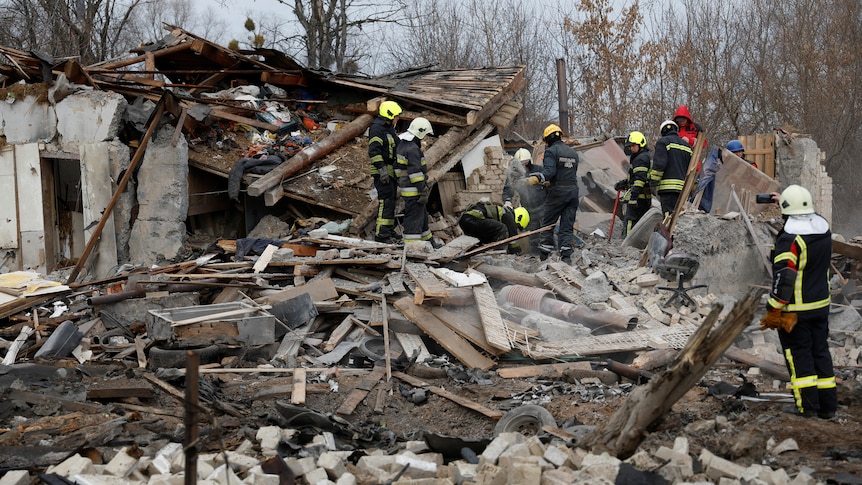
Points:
(563, 97)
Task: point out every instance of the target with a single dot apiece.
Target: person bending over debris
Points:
(639, 199)
(382, 145)
(411, 170)
(798, 305)
(560, 174)
(490, 222)
(669, 165)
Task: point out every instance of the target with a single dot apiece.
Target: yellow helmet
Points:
(552, 129)
(636, 138)
(522, 217)
(390, 109)
(796, 200)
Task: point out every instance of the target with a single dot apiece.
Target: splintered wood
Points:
(495, 330)
(633, 340)
(564, 280)
(428, 286)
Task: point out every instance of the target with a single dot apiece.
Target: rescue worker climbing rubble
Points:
(639, 198)
(412, 170)
(670, 165)
(489, 222)
(798, 305)
(382, 145)
(560, 175)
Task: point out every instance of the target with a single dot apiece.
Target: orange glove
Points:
(776, 319)
(772, 319)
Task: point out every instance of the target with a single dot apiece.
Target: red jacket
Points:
(688, 129)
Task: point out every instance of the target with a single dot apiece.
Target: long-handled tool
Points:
(614, 216)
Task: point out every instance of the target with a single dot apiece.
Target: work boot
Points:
(567, 260)
(543, 255)
(435, 243)
(825, 414)
(792, 409)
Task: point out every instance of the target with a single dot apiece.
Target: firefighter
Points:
(412, 178)
(639, 198)
(669, 165)
(531, 196)
(382, 145)
(798, 305)
(490, 222)
(560, 175)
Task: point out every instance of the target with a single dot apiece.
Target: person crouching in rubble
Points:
(798, 305)
(382, 144)
(531, 196)
(490, 222)
(560, 175)
(412, 178)
(639, 198)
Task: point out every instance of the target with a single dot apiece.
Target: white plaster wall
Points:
(27, 121)
(89, 117)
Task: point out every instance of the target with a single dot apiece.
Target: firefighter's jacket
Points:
(487, 210)
(640, 162)
(382, 145)
(670, 163)
(801, 260)
(411, 168)
(560, 165)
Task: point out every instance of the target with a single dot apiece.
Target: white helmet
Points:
(668, 126)
(420, 127)
(796, 200)
(523, 156)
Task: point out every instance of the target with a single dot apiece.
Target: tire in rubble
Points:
(527, 420)
(638, 237)
(160, 358)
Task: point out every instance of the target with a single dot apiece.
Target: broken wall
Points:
(800, 161)
(485, 181)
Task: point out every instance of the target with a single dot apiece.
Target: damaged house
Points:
(208, 211)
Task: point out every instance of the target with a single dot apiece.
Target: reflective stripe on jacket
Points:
(382, 145)
(411, 168)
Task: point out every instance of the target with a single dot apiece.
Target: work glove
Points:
(384, 176)
(534, 180)
(778, 319)
(513, 249)
(508, 205)
(546, 184)
(621, 185)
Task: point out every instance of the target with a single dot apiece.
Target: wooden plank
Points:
(339, 333)
(492, 321)
(119, 392)
(764, 256)
(43, 399)
(466, 322)
(273, 392)
(264, 258)
(360, 391)
(430, 285)
(739, 355)
(491, 413)
(527, 371)
(320, 290)
(454, 248)
(413, 344)
(298, 394)
(219, 315)
(454, 344)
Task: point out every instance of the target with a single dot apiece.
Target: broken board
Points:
(360, 391)
(454, 248)
(455, 344)
(492, 321)
(564, 280)
(427, 284)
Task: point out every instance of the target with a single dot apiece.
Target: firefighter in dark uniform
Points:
(670, 165)
(382, 145)
(639, 198)
(798, 305)
(560, 175)
(412, 170)
(490, 222)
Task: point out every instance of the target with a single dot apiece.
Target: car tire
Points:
(160, 358)
(527, 420)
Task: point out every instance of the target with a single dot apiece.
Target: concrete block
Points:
(74, 465)
(85, 479)
(518, 449)
(649, 279)
(525, 473)
(205, 469)
(89, 117)
(460, 471)
(555, 456)
(416, 446)
(764, 474)
(159, 465)
(223, 475)
(496, 447)
(316, 476)
(269, 437)
(333, 464)
(490, 474)
(680, 445)
(417, 467)
(261, 479)
(239, 462)
(379, 467)
(803, 478)
(166, 479)
(282, 254)
(664, 453)
(27, 120)
(603, 465)
(346, 479)
(16, 477)
(716, 467)
(560, 476)
(301, 466)
(245, 448)
(121, 465)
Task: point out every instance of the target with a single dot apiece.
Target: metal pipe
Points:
(542, 300)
